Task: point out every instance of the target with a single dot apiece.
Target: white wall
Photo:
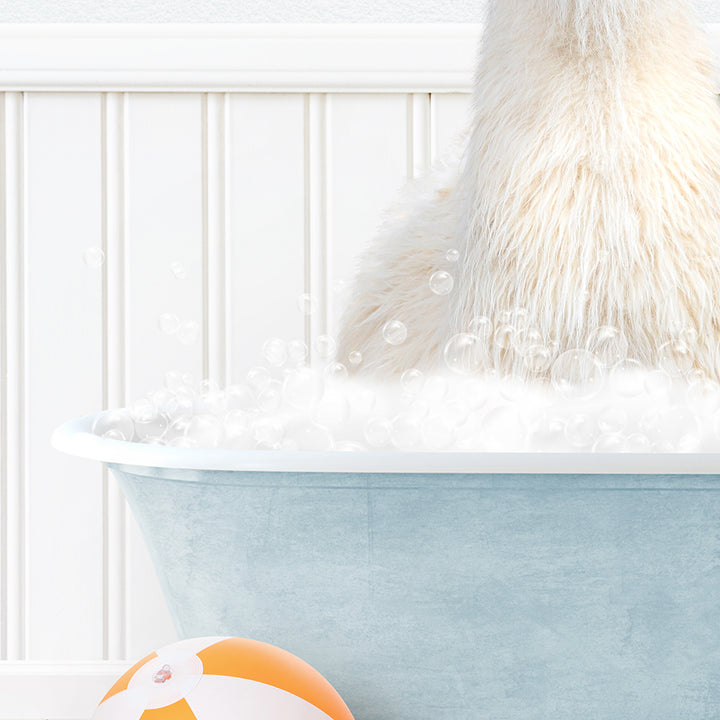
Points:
(282, 11)
(224, 176)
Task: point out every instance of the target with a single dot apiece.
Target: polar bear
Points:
(586, 192)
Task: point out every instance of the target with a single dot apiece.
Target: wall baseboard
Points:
(223, 58)
(55, 691)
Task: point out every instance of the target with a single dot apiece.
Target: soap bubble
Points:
(405, 433)
(302, 388)
(613, 420)
(676, 357)
(434, 389)
(169, 323)
(349, 446)
(178, 270)
(412, 381)
(325, 346)
(577, 375)
(362, 399)
(504, 336)
(151, 428)
(608, 344)
(537, 359)
(308, 435)
(518, 318)
(94, 257)
(355, 358)
(452, 255)
(437, 432)
(267, 432)
(143, 410)
(609, 443)
(657, 382)
(703, 396)
(637, 443)
(677, 429)
(275, 352)
(174, 380)
(189, 332)
(307, 303)
(394, 332)
(332, 409)
(115, 425)
(378, 431)
(580, 431)
(504, 430)
(441, 282)
(237, 423)
(205, 430)
(208, 386)
(269, 399)
(462, 353)
(336, 371)
(627, 377)
(523, 341)
(258, 377)
(482, 327)
(297, 351)
(239, 397)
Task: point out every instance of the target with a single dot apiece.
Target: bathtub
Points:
(446, 586)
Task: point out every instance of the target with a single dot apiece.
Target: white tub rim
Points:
(76, 438)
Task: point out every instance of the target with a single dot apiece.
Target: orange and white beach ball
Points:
(220, 678)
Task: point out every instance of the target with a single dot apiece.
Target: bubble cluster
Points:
(94, 257)
(286, 405)
(501, 386)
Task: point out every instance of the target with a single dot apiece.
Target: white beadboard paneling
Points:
(449, 116)
(13, 602)
(163, 224)
(114, 636)
(266, 222)
(215, 237)
(55, 691)
(368, 162)
(63, 331)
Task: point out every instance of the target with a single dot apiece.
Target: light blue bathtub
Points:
(447, 586)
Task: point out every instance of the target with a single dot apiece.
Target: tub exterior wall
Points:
(455, 596)
(155, 175)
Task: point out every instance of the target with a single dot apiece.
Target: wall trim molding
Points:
(55, 691)
(231, 57)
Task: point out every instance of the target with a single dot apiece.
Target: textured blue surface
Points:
(445, 597)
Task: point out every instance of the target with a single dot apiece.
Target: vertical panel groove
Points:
(419, 135)
(113, 128)
(3, 391)
(14, 464)
(214, 236)
(228, 259)
(317, 118)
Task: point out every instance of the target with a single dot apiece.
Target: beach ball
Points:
(222, 678)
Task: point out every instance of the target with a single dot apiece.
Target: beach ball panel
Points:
(226, 698)
(124, 681)
(177, 711)
(254, 660)
(186, 671)
(127, 704)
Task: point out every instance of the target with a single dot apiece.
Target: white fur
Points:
(588, 191)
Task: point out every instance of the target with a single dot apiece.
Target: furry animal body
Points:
(586, 192)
